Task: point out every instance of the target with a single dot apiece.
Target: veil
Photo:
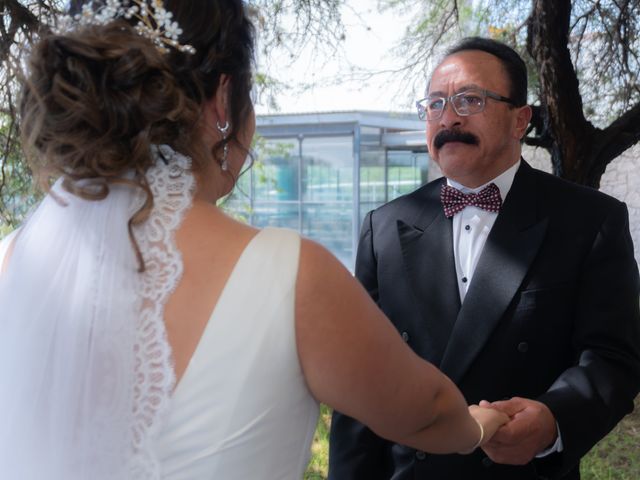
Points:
(85, 366)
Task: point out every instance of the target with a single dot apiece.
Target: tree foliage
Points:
(583, 58)
(16, 186)
(290, 24)
(286, 29)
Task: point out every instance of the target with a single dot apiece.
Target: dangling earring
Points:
(223, 129)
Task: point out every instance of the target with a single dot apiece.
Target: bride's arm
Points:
(355, 361)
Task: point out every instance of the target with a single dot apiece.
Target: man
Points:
(525, 292)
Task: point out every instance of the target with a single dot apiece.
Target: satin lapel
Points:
(427, 252)
(511, 247)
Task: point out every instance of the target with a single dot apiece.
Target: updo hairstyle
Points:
(95, 99)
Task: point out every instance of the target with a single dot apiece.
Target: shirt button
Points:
(464, 280)
(420, 455)
(405, 336)
(523, 347)
(467, 227)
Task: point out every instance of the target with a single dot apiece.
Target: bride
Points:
(144, 334)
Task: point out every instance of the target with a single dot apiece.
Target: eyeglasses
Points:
(465, 103)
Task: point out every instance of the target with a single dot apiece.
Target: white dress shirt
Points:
(471, 227)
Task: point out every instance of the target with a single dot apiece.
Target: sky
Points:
(370, 37)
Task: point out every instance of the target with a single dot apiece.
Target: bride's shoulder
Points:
(320, 271)
(313, 255)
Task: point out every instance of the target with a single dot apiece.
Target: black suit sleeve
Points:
(355, 452)
(592, 396)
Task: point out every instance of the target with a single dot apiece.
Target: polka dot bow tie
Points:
(454, 201)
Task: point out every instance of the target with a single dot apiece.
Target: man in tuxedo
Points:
(518, 285)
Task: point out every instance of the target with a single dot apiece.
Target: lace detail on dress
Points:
(172, 185)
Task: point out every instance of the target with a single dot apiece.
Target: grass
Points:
(319, 463)
(615, 457)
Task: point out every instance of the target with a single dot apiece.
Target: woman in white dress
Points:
(145, 334)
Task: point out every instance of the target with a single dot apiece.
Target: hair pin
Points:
(154, 21)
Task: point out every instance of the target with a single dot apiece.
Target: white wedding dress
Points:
(242, 409)
(101, 400)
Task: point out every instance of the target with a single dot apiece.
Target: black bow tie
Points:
(454, 201)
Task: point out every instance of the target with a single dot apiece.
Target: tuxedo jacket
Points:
(551, 314)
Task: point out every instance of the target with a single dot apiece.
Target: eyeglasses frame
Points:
(422, 112)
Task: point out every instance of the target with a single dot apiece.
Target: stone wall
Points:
(621, 180)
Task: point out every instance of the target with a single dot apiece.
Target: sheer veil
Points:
(85, 367)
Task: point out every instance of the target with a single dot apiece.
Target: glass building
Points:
(321, 173)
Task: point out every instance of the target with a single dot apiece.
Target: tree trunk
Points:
(579, 151)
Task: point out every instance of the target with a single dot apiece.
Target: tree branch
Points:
(21, 19)
(622, 134)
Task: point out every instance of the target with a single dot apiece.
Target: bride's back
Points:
(241, 408)
(210, 244)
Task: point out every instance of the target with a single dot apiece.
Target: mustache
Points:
(446, 136)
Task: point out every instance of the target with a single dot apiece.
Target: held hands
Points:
(489, 421)
(531, 429)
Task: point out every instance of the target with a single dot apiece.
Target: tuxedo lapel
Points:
(507, 255)
(427, 253)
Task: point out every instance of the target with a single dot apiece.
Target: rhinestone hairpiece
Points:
(154, 21)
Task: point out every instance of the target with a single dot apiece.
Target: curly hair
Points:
(97, 98)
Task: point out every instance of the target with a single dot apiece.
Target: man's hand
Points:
(532, 429)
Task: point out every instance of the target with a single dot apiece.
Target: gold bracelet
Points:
(479, 442)
(481, 436)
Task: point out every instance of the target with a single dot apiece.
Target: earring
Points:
(223, 129)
